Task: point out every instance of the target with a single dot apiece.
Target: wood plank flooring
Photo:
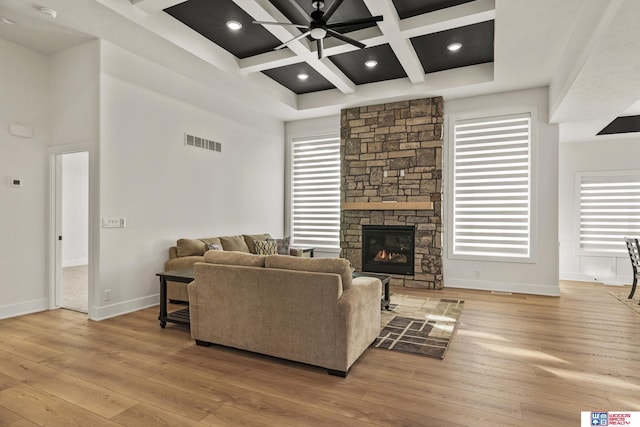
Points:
(516, 360)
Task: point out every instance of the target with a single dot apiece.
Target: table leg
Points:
(163, 302)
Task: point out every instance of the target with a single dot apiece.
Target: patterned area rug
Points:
(419, 325)
(622, 292)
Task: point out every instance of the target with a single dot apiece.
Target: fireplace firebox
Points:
(388, 249)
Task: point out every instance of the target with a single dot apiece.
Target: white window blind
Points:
(315, 201)
(609, 211)
(491, 201)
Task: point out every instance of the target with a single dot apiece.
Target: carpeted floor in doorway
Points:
(419, 325)
(75, 289)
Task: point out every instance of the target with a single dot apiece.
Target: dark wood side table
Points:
(385, 279)
(305, 249)
(180, 316)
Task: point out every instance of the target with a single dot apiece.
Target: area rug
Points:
(419, 325)
(621, 293)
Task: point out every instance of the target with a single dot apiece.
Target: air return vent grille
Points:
(199, 142)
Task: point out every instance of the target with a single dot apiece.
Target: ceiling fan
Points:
(318, 28)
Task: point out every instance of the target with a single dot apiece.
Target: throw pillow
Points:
(213, 247)
(250, 238)
(283, 245)
(266, 247)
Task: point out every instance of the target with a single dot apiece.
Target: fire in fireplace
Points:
(388, 249)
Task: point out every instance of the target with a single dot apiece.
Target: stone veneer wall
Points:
(391, 137)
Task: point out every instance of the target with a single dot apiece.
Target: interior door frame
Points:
(55, 221)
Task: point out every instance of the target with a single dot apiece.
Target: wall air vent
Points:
(205, 144)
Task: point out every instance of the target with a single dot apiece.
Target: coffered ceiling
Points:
(417, 50)
(586, 51)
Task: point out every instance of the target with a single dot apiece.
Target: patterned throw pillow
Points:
(212, 247)
(283, 245)
(266, 247)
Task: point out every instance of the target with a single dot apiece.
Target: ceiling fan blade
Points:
(335, 5)
(320, 46)
(284, 24)
(345, 38)
(355, 22)
(305, 34)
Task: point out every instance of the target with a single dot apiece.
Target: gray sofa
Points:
(308, 310)
(189, 251)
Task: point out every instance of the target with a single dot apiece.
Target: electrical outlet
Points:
(477, 274)
(107, 294)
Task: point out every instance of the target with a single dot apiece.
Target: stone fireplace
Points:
(391, 175)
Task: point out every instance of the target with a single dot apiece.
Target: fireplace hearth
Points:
(388, 249)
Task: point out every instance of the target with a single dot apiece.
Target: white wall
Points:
(302, 129)
(75, 212)
(616, 153)
(74, 109)
(24, 99)
(166, 190)
(540, 276)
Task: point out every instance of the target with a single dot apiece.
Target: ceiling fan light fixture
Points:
(303, 76)
(318, 33)
(234, 25)
(453, 47)
(317, 4)
(371, 63)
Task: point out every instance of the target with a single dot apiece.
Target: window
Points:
(609, 211)
(315, 192)
(492, 187)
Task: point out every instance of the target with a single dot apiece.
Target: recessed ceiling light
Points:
(454, 46)
(48, 12)
(8, 21)
(371, 63)
(234, 25)
(303, 76)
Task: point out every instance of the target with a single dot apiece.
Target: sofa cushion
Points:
(234, 243)
(266, 247)
(234, 258)
(319, 265)
(190, 247)
(250, 238)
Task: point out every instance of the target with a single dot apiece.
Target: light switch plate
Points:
(113, 222)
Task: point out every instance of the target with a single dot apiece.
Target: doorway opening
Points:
(72, 231)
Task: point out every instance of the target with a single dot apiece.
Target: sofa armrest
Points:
(173, 252)
(181, 263)
(359, 313)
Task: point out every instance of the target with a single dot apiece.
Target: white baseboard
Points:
(113, 310)
(610, 280)
(520, 288)
(27, 307)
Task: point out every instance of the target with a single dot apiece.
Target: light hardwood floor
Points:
(515, 361)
